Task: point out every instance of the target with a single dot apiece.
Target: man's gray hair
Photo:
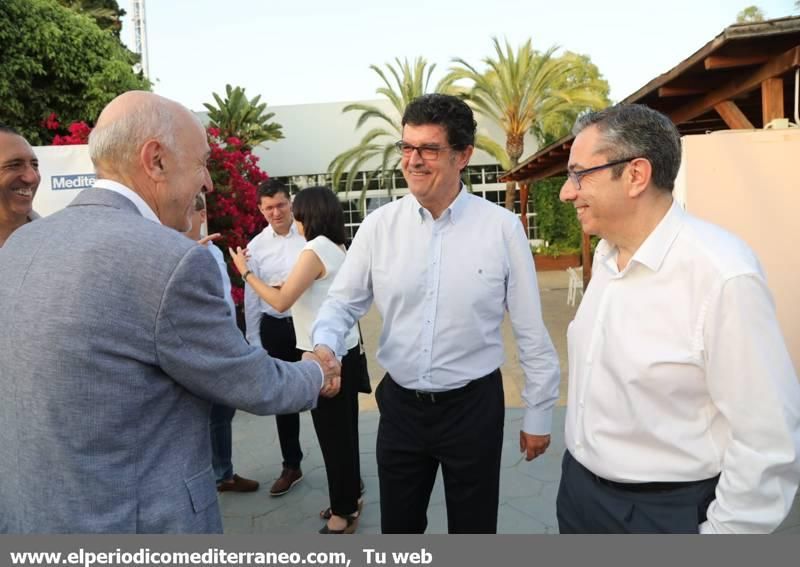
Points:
(120, 140)
(634, 130)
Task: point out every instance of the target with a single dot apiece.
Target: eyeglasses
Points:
(577, 174)
(280, 206)
(428, 153)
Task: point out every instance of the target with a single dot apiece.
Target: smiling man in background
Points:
(19, 179)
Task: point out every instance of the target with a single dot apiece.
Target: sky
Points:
(312, 51)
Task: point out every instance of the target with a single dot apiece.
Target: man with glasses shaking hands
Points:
(442, 267)
(683, 410)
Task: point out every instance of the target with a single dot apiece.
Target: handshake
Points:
(331, 369)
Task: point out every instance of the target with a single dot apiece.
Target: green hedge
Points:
(556, 221)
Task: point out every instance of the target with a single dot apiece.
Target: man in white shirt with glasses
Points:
(443, 266)
(273, 254)
(683, 408)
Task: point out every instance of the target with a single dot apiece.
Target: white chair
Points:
(575, 285)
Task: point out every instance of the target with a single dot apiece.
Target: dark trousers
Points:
(278, 339)
(588, 504)
(463, 431)
(336, 423)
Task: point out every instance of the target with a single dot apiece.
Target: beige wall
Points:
(749, 183)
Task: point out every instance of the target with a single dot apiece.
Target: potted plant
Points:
(556, 256)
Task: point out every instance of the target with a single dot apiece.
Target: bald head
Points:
(158, 149)
(130, 120)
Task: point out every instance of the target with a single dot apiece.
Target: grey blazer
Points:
(114, 339)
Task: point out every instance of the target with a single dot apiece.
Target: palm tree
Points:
(243, 118)
(518, 91)
(404, 82)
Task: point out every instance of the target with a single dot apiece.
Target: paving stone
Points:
(512, 521)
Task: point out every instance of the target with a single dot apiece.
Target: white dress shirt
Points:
(442, 287)
(143, 208)
(678, 371)
(272, 257)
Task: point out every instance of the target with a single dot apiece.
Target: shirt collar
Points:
(452, 212)
(292, 231)
(655, 247)
(132, 196)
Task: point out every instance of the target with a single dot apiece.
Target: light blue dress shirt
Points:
(442, 288)
(226, 280)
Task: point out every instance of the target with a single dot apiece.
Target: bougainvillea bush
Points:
(233, 206)
(74, 134)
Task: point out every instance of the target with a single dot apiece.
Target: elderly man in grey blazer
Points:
(115, 339)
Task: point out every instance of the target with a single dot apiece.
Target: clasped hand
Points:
(331, 368)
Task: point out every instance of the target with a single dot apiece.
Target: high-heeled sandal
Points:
(350, 528)
(326, 513)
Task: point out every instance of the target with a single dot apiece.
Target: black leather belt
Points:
(440, 397)
(647, 486)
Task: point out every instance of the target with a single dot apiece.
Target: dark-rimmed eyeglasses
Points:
(428, 153)
(577, 174)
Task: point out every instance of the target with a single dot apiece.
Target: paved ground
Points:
(528, 490)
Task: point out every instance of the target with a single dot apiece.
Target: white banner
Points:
(65, 171)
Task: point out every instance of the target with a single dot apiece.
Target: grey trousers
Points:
(588, 504)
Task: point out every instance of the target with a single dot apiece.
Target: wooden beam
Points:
(733, 117)
(772, 99)
(726, 61)
(665, 92)
(530, 176)
(523, 206)
(776, 66)
(548, 171)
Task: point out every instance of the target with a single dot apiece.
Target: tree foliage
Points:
(582, 75)
(401, 83)
(523, 90)
(242, 118)
(556, 221)
(750, 15)
(106, 13)
(57, 60)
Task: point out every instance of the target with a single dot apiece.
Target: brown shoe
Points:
(237, 484)
(289, 477)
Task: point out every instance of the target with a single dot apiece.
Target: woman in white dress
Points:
(319, 218)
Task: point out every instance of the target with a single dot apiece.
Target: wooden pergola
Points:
(742, 79)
